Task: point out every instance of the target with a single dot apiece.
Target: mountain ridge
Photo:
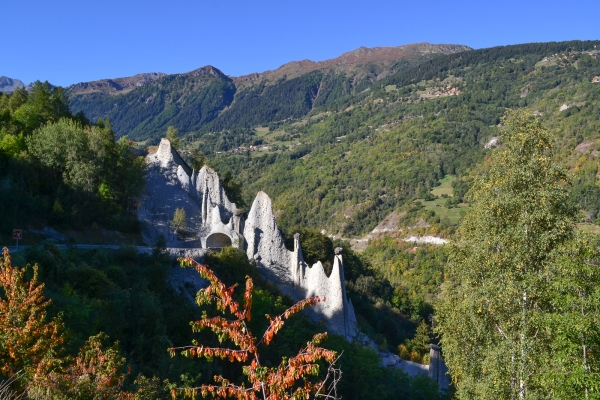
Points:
(360, 56)
(123, 85)
(144, 109)
(8, 85)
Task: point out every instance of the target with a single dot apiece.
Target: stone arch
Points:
(218, 240)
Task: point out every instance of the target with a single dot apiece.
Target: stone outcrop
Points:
(172, 184)
(167, 188)
(215, 222)
(426, 240)
(436, 369)
(265, 248)
(8, 85)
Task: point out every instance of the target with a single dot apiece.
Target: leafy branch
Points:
(277, 383)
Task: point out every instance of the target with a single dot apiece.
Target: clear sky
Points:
(68, 41)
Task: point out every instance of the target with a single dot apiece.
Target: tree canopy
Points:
(494, 317)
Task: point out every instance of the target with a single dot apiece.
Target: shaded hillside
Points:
(351, 162)
(187, 101)
(142, 106)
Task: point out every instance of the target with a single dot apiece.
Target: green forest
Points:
(147, 112)
(398, 141)
(60, 169)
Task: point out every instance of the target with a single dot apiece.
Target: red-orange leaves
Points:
(301, 305)
(27, 341)
(280, 383)
(248, 298)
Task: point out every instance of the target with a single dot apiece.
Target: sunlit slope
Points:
(350, 163)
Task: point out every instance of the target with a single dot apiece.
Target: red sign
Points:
(17, 233)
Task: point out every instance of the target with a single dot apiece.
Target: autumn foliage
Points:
(286, 381)
(27, 342)
(94, 374)
(30, 346)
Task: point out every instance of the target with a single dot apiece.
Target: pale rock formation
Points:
(438, 371)
(389, 223)
(215, 209)
(167, 188)
(216, 223)
(492, 143)
(172, 184)
(265, 248)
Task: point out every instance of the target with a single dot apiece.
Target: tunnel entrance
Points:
(218, 241)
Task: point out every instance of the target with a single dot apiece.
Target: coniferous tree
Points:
(172, 136)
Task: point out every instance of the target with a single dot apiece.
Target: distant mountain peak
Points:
(207, 70)
(116, 85)
(8, 85)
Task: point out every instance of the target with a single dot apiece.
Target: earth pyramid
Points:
(214, 222)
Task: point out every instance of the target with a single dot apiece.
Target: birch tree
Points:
(493, 315)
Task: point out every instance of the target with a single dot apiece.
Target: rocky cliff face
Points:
(8, 85)
(215, 222)
(168, 188)
(265, 248)
(172, 184)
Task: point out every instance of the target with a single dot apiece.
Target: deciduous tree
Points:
(94, 374)
(28, 342)
(573, 366)
(179, 221)
(494, 307)
(288, 380)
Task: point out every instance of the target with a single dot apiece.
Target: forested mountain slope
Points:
(205, 100)
(351, 162)
(187, 101)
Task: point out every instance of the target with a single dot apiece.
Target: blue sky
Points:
(66, 42)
